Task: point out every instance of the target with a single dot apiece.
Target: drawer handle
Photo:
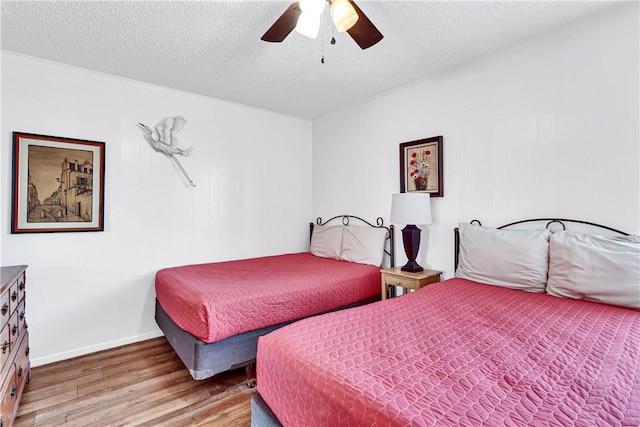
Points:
(26, 352)
(13, 391)
(21, 286)
(5, 308)
(5, 346)
(20, 372)
(14, 296)
(14, 330)
(22, 315)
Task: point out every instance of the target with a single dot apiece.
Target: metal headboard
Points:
(379, 224)
(550, 221)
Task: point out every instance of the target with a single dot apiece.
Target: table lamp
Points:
(411, 209)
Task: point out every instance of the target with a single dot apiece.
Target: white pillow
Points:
(595, 268)
(516, 259)
(327, 241)
(363, 244)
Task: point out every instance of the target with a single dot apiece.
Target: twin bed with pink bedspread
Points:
(464, 353)
(212, 314)
(218, 300)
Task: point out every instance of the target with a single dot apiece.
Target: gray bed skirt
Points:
(206, 360)
(261, 414)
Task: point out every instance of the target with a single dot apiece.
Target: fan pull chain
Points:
(333, 35)
(322, 38)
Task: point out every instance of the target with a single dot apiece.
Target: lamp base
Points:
(412, 266)
(411, 241)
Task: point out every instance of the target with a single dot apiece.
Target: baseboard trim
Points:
(93, 348)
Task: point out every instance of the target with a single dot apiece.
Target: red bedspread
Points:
(457, 353)
(218, 300)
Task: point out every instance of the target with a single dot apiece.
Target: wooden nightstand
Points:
(392, 277)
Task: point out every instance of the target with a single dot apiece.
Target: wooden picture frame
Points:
(57, 184)
(421, 166)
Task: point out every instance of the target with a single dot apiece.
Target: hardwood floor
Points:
(142, 384)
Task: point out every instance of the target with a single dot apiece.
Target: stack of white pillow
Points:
(364, 245)
(591, 267)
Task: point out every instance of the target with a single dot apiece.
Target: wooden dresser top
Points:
(11, 273)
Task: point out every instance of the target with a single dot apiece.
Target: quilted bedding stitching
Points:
(457, 353)
(218, 300)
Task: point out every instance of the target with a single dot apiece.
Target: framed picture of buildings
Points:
(421, 166)
(58, 184)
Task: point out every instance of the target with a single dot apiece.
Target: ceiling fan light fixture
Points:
(312, 7)
(308, 25)
(346, 14)
(343, 14)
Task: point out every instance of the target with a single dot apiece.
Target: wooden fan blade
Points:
(364, 32)
(283, 25)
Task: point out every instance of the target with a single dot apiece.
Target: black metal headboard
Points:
(550, 222)
(379, 224)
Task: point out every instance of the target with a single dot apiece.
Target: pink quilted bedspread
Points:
(218, 300)
(457, 353)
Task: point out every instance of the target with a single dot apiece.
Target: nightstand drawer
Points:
(403, 282)
(392, 277)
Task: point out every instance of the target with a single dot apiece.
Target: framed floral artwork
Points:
(421, 166)
(58, 184)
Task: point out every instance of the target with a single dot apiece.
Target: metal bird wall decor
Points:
(163, 140)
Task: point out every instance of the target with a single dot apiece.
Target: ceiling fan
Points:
(304, 16)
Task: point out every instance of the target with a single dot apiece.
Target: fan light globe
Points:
(343, 14)
(308, 25)
(312, 7)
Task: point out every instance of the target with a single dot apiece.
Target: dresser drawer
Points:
(22, 321)
(9, 394)
(13, 328)
(15, 367)
(5, 345)
(4, 307)
(21, 288)
(23, 366)
(13, 297)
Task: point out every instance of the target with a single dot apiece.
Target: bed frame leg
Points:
(251, 380)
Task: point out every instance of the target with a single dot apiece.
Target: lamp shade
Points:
(312, 7)
(411, 208)
(308, 25)
(343, 14)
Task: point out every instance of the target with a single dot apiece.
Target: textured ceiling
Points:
(213, 48)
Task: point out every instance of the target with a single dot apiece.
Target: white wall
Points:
(548, 127)
(89, 291)
(545, 128)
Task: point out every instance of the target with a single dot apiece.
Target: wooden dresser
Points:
(14, 340)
